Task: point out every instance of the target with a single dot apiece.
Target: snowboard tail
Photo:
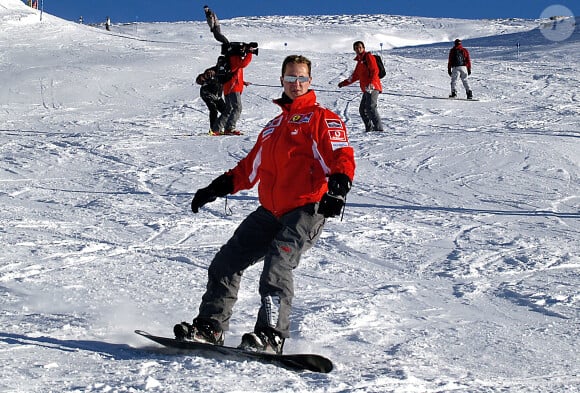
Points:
(300, 362)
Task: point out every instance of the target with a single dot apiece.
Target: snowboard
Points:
(231, 133)
(205, 134)
(456, 98)
(298, 362)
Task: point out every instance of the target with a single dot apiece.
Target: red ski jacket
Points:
(452, 59)
(366, 71)
(237, 65)
(294, 155)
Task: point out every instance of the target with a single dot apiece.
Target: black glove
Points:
(449, 71)
(330, 205)
(469, 71)
(333, 201)
(339, 184)
(220, 187)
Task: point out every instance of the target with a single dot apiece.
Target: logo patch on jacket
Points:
(334, 123)
(338, 139)
(337, 135)
(301, 118)
(275, 122)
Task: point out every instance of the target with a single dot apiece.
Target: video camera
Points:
(239, 48)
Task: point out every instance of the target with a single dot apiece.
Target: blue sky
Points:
(187, 10)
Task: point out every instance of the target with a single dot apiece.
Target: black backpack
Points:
(224, 72)
(380, 65)
(457, 58)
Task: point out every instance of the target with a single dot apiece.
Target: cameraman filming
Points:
(238, 56)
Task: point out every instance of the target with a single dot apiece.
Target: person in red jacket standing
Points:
(305, 166)
(367, 73)
(233, 88)
(459, 65)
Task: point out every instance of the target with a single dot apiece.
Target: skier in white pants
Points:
(459, 66)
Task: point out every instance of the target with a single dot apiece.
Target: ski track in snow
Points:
(455, 268)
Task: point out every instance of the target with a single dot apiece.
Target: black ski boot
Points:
(469, 95)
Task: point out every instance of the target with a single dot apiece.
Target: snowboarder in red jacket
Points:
(304, 165)
(459, 65)
(367, 73)
(233, 88)
(211, 92)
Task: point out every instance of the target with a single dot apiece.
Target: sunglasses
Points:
(293, 79)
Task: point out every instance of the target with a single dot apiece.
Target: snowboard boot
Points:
(453, 94)
(202, 330)
(262, 342)
(469, 95)
(183, 331)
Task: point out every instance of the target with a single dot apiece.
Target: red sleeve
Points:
(354, 77)
(237, 62)
(449, 59)
(334, 146)
(245, 172)
(467, 58)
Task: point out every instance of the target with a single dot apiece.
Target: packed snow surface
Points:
(454, 269)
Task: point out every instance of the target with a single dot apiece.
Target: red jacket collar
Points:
(306, 100)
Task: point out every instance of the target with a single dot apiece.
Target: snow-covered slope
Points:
(455, 268)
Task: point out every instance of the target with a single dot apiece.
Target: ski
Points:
(298, 362)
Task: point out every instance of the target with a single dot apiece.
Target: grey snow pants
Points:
(231, 113)
(279, 242)
(369, 112)
(217, 34)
